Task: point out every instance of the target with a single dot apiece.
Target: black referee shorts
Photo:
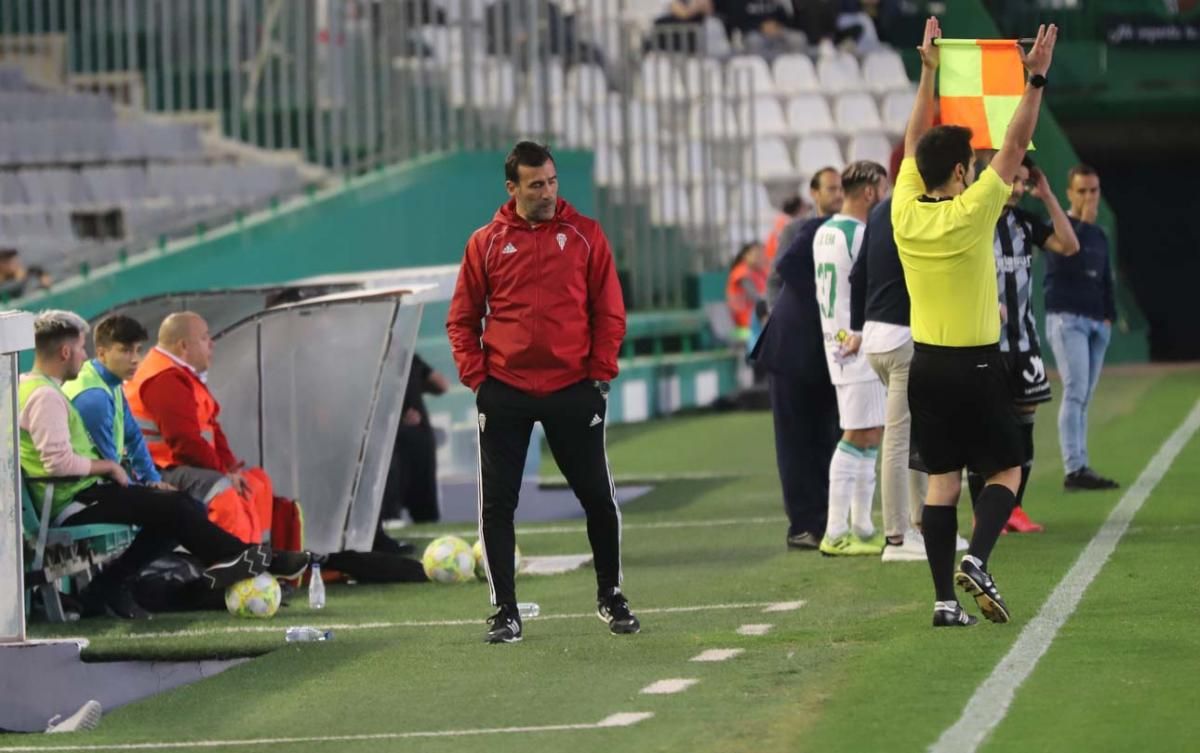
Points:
(962, 410)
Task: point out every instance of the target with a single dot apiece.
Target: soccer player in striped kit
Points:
(1017, 232)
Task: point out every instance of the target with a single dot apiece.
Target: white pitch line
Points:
(626, 719)
(280, 628)
(784, 606)
(668, 687)
(992, 699)
(666, 524)
(754, 629)
(717, 654)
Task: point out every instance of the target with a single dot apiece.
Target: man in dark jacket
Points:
(803, 401)
(542, 277)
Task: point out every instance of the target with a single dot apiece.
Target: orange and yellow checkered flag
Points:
(981, 83)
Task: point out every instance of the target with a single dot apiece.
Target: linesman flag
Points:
(982, 81)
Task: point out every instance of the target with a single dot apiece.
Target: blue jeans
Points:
(1079, 343)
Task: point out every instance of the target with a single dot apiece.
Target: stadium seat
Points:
(883, 71)
(607, 167)
(661, 80)
(586, 82)
(714, 121)
(670, 207)
(646, 165)
(809, 114)
(710, 205)
(839, 74)
(856, 113)
(769, 160)
(897, 106)
(703, 77)
(751, 207)
(642, 121)
(795, 74)
(870, 146)
(763, 117)
(749, 76)
(816, 152)
(693, 161)
(56, 187)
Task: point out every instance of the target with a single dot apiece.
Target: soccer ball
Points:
(254, 597)
(480, 572)
(448, 560)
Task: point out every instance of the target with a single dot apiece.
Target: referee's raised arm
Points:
(921, 119)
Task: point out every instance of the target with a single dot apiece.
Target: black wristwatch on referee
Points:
(1037, 81)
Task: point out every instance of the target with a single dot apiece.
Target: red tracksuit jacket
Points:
(538, 308)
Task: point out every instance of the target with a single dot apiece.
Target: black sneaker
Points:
(951, 614)
(614, 609)
(252, 561)
(289, 565)
(505, 625)
(1085, 479)
(803, 540)
(974, 580)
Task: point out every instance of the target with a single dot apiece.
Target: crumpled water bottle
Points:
(305, 634)
(528, 609)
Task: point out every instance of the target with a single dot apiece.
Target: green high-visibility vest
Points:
(31, 459)
(89, 379)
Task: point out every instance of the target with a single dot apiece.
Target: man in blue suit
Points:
(803, 401)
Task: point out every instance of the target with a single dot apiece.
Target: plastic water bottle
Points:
(528, 609)
(316, 588)
(305, 633)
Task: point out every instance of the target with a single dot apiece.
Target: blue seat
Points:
(56, 555)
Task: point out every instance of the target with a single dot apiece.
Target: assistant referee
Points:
(535, 324)
(958, 391)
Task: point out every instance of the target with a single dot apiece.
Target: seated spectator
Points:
(96, 393)
(179, 416)
(89, 489)
(793, 207)
(762, 25)
(747, 286)
(13, 276)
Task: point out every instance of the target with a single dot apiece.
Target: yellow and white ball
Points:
(480, 572)
(254, 597)
(448, 560)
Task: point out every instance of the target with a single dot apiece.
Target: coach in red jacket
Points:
(536, 324)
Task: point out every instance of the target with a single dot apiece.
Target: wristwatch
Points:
(602, 386)
(1037, 81)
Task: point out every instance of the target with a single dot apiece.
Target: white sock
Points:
(843, 473)
(864, 494)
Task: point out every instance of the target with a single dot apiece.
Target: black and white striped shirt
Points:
(1017, 233)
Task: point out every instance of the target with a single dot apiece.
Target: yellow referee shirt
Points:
(946, 250)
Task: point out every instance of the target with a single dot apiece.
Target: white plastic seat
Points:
(694, 162)
(764, 117)
(749, 75)
(809, 114)
(870, 146)
(647, 167)
(710, 205)
(703, 78)
(839, 74)
(770, 160)
(751, 207)
(670, 207)
(897, 106)
(795, 74)
(610, 122)
(817, 152)
(856, 113)
(661, 80)
(714, 121)
(586, 83)
(883, 71)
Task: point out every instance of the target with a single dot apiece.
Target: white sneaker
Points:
(912, 550)
(86, 718)
(961, 544)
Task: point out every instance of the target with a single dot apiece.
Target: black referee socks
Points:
(940, 528)
(991, 513)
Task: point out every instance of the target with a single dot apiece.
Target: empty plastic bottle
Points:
(305, 633)
(528, 609)
(316, 588)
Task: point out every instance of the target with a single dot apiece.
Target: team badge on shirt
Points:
(562, 240)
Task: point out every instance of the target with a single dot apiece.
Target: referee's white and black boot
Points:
(973, 579)
(951, 614)
(613, 608)
(505, 625)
